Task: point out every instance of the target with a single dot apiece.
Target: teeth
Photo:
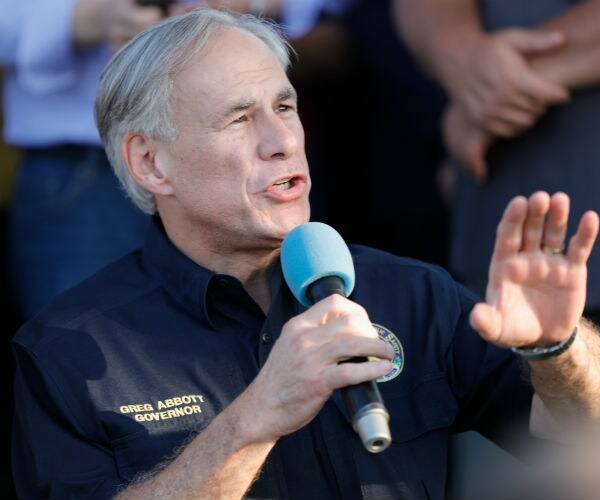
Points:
(284, 185)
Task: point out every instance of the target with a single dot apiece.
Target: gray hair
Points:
(135, 88)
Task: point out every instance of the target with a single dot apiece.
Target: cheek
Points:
(194, 164)
(215, 186)
(220, 173)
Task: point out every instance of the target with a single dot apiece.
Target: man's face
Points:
(238, 167)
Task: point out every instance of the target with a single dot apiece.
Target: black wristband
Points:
(544, 352)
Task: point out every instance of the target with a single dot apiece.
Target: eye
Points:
(283, 108)
(240, 119)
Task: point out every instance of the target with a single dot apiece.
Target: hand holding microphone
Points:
(316, 264)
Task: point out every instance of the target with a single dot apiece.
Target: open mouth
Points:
(285, 184)
(288, 188)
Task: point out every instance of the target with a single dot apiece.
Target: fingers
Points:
(524, 224)
(529, 43)
(582, 242)
(533, 227)
(535, 292)
(540, 222)
(509, 234)
(532, 42)
(305, 364)
(555, 230)
(504, 109)
(127, 19)
(339, 329)
(477, 163)
(518, 104)
(508, 96)
(355, 373)
(510, 122)
(466, 142)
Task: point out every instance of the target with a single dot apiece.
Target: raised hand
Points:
(536, 293)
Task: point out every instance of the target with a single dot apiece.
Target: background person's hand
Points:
(113, 22)
(466, 143)
(492, 81)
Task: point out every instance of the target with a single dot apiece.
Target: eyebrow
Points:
(287, 93)
(244, 104)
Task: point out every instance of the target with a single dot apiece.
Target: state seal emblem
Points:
(388, 336)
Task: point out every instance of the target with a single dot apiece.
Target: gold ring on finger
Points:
(548, 250)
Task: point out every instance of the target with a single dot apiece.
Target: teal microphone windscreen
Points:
(312, 251)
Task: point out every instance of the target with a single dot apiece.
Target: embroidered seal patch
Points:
(398, 361)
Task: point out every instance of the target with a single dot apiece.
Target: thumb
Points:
(487, 321)
(478, 168)
(478, 144)
(530, 42)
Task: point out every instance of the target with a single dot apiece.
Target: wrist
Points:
(540, 353)
(246, 429)
(456, 51)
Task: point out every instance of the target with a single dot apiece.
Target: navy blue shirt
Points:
(119, 372)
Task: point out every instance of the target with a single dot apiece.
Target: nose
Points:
(279, 137)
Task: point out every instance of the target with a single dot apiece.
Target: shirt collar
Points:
(187, 281)
(190, 283)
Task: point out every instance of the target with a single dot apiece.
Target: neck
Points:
(258, 286)
(251, 265)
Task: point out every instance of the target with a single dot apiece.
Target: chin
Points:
(280, 224)
(294, 222)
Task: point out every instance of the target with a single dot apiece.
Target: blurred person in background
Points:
(523, 83)
(67, 217)
(523, 80)
(394, 111)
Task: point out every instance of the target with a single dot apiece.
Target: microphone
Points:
(317, 263)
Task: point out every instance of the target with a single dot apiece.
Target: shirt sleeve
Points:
(488, 381)
(11, 19)
(44, 57)
(299, 16)
(52, 456)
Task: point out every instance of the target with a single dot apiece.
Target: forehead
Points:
(231, 59)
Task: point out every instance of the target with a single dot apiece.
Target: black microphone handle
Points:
(324, 287)
(365, 405)
(360, 395)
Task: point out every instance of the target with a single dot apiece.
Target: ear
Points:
(140, 155)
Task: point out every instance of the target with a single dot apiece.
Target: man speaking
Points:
(189, 370)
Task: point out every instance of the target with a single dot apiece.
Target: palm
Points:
(533, 297)
(536, 295)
